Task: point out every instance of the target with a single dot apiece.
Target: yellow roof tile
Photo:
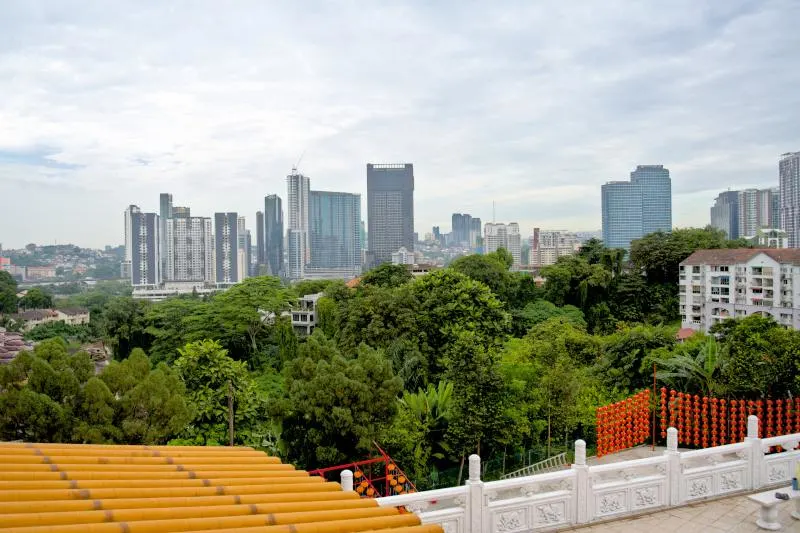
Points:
(63, 488)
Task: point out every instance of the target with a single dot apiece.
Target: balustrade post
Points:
(756, 453)
(475, 500)
(673, 467)
(581, 483)
(346, 480)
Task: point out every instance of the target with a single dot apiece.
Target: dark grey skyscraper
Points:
(390, 210)
(261, 251)
(335, 232)
(226, 241)
(145, 240)
(725, 213)
(165, 212)
(273, 234)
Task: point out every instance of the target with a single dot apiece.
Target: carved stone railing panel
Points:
(584, 494)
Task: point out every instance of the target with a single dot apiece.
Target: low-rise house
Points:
(36, 317)
(304, 314)
(74, 316)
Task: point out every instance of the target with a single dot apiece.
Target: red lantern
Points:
(672, 405)
(714, 413)
(779, 417)
(704, 420)
(663, 412)
(696, 420)
(770, 419)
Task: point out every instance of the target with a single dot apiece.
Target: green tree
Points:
(659, 254)
(211, 377)
(124, 325)
(8, 293)
(491, 270)
(336, 406)
(95, 415)
(36, 298)
(694, 367)
(477, 414)
(623, 363)
(386, 275)
(540, 311)
(761, 357)
(166, 325)
(450, 303)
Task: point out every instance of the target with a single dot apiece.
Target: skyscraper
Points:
(181, 212)
(725, 213)
(125, 268)
(261, 252)
(242, 250)
(632, 209)
(390, 209)
(789, 174)
(743, 213)
(226, 244)
(461, 227)
(165, 212)
(656, 187)
(189, 249)
(143, 238)
(499, 235)
(273, 235)
(335, 233)
(297, 188)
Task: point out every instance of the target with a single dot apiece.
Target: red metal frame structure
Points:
(372, 474)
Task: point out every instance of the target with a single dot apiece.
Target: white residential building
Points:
(717, 284)
(769, 238)
(547, 246)
(403, 257)
(299, 254)
(496, 236)
(190, 245)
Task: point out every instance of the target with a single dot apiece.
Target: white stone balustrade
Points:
(589, 494)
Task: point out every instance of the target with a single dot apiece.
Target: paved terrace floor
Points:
(735, 514)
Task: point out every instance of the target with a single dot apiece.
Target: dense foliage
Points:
(470, 358)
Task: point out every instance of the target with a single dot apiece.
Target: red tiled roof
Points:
(684, 333)
(730, 256)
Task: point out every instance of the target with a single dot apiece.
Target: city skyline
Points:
(532, 106)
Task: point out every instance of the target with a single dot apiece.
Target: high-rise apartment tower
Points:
(390, 209)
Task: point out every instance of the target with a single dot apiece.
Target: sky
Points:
(530, 105)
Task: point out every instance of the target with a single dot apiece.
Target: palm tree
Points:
(432, 407)
(699, 372)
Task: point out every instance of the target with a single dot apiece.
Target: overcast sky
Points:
(532, 104)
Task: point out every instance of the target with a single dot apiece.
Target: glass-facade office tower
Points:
(335, 231)
(789, 174)
(390, 210)
(273, 235)
(226, 244)
(633, 209)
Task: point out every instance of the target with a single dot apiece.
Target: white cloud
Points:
(532, 104)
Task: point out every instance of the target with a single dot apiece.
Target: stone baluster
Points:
(756, 453)
(346, 479)
(581, 493)
(475, 500)
(673, 467)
